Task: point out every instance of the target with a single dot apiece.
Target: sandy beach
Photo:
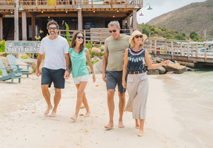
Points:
(23, 124)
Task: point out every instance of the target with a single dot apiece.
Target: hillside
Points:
(195, 17)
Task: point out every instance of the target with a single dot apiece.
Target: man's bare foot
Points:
(87, 114)
(109, 126)
(48, 110)
(120, 124)
(53, 114)
(74, 117)
(140, 133)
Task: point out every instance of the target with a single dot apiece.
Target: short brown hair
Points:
(52, 22)
(73, 44)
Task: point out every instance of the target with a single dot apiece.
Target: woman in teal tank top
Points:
(79, 55)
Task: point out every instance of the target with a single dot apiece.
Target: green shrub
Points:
(2, 46)
(68, 34)
(0, 72)
(194, 36)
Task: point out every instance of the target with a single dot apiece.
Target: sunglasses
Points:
(52, 28)
(138, 36)
(112, 31)
(80, 37)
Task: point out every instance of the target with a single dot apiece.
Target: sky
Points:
(160, 7)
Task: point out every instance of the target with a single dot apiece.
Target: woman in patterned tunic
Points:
(137, 80)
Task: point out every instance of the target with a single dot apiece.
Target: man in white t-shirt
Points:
(54, 70)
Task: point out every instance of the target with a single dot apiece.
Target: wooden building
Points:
(22, 19)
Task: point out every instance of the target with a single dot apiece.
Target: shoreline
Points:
(192, 103)
(27, 125)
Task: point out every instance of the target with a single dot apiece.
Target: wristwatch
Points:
(68, 69)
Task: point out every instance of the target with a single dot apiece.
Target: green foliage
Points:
(152, 32)
(156, 31)
(89, 45)
(194, 36)
(180, 37)
(68, 34)
(93, 62)
(2, 46)
(0, 72)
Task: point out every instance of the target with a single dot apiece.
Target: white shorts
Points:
(81, 78)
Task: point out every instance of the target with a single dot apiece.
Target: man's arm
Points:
(68, 62)
(105, 61)
(39, 60)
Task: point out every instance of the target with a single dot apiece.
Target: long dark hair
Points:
(74, 41)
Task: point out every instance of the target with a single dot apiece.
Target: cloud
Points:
(160, 7)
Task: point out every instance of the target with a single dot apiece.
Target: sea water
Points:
(191, 95)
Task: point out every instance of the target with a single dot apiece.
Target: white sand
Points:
(22, 124)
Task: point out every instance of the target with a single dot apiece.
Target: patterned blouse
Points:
(136, 60)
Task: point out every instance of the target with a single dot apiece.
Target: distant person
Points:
(79, 55)
(55, 48)
(115, 46)
(137, 80)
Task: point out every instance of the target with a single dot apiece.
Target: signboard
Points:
(22, 46)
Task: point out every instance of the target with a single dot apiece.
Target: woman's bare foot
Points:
(137, 124)
(140, 133)
(120, 124)
(48, 110)
(53, 114)
(74, 117)
(109, 126)
(87, 114)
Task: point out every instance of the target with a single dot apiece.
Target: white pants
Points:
(81, 78)
(137, 86)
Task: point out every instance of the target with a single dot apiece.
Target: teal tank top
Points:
(78, 60)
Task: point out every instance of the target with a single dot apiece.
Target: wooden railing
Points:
(73, 2)
(94, 35)
(179, 49)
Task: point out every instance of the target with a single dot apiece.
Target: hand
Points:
(37, 72)
(94, 79)
(165, 63)
(104, 76)
(124, 84)
(66, 74)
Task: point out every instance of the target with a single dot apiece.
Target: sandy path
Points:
(23, 124)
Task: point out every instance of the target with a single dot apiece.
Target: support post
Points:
(134, 20)
(188, 51)
(16, 22)
(1, 28)
(196, 50)
(155, 42)
(24, 25)
(80, 20)
(205, 52)
(172, 52)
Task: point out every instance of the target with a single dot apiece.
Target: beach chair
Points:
(15, 74)
(13, 64)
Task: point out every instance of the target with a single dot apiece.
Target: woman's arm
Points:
(125, 68)
(153, 66)
(90, 64)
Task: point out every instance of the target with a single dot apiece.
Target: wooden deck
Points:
(72, 4)
(180, 50)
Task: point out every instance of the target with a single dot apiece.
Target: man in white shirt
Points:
(54, 70)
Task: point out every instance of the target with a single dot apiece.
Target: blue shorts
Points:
(56, 76)
(114, 78)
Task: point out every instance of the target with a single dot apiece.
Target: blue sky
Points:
(160, 7)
